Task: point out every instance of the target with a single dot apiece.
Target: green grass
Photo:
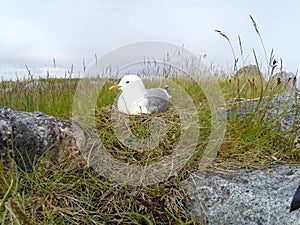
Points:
(75, 194)
(72, 193)
(53, 96)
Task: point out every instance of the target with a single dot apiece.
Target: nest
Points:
(133, 142)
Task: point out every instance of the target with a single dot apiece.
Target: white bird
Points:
(135, 99)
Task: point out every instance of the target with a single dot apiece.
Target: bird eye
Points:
(127, 82)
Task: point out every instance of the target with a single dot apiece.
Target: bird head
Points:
(128, 80)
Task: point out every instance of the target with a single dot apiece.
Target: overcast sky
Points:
(35, 32)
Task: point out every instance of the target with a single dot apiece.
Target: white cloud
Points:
(34, 32)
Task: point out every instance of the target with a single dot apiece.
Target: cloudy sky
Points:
(35, 32)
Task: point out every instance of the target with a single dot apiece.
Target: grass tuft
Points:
(66, 194)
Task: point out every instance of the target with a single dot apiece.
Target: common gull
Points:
(135, 99)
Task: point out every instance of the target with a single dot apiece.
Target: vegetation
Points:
(76, 194)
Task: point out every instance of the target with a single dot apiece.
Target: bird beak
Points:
(114, 87)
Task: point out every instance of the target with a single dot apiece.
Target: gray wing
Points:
(158, 100)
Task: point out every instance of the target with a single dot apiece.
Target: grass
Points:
(73, 193)
(69, 194)
(51, 96)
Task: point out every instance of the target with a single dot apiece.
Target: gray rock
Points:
(6, 90)
(282, 110)
(245, 196)
(252, 196)
(35, 84)
(249, 72)
(25, 136)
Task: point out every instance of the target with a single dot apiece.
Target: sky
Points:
(33, 33)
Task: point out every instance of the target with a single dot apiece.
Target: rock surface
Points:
(245, 196)
(252, 196)
(25, 136)
(249, 72)
(283, 110)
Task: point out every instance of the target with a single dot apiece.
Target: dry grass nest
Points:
(137, 128)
